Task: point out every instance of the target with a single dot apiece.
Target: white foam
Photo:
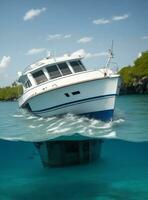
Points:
(94, 122)
(40, 129)
(50, 119)
(12, 138)
(31, 117)
(52, 129)
(118, 121)
(40, 119)
(40, 125)
(110, 135)
(17, 115)
(32, 126)
(51, 125)
(104, 126)
(64, 130)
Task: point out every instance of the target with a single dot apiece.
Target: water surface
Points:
(129, 123)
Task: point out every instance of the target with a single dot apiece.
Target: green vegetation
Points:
(132, 74)
(10, 93)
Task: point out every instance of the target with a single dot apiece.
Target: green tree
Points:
(10, 92)
(130, 74)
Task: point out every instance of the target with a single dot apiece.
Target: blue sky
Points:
(29, 29)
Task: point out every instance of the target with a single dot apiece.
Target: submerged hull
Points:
(94, 99)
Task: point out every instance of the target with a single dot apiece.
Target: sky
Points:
(30, 29)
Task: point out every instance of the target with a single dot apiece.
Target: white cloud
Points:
(35, 51)
(67, 36)
(107, 21)
(92, 55)
(58, 36)
(144, 37)
(101, 21)
(33, 13)
(82, 52)
(120, 17)
(85, 40)
(54, 37)
(5, 61)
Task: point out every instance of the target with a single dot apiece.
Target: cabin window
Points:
(64, 68)
(53, 71)
(27, 84)
(82, 66)
(77, 66)
(39, 77)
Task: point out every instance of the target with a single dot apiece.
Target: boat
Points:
(54, 86)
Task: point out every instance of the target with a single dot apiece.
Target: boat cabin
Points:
(49, 72)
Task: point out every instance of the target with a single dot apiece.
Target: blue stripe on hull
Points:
(72, 103)
(105, 115)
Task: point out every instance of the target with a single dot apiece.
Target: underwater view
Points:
(120, 173)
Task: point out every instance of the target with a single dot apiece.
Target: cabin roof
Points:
(51, 60)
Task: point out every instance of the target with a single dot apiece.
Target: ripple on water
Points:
(40, 129)
(129, 123)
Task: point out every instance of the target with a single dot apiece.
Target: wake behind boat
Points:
(60, 85)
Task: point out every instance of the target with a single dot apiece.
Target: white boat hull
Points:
(93, 98)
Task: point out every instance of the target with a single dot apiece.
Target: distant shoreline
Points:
(135, 77)
(137, 87)
(9, 100)
(10, 93)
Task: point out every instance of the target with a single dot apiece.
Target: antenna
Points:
(110, 55)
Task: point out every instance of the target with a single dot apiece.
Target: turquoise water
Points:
(122, 172)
